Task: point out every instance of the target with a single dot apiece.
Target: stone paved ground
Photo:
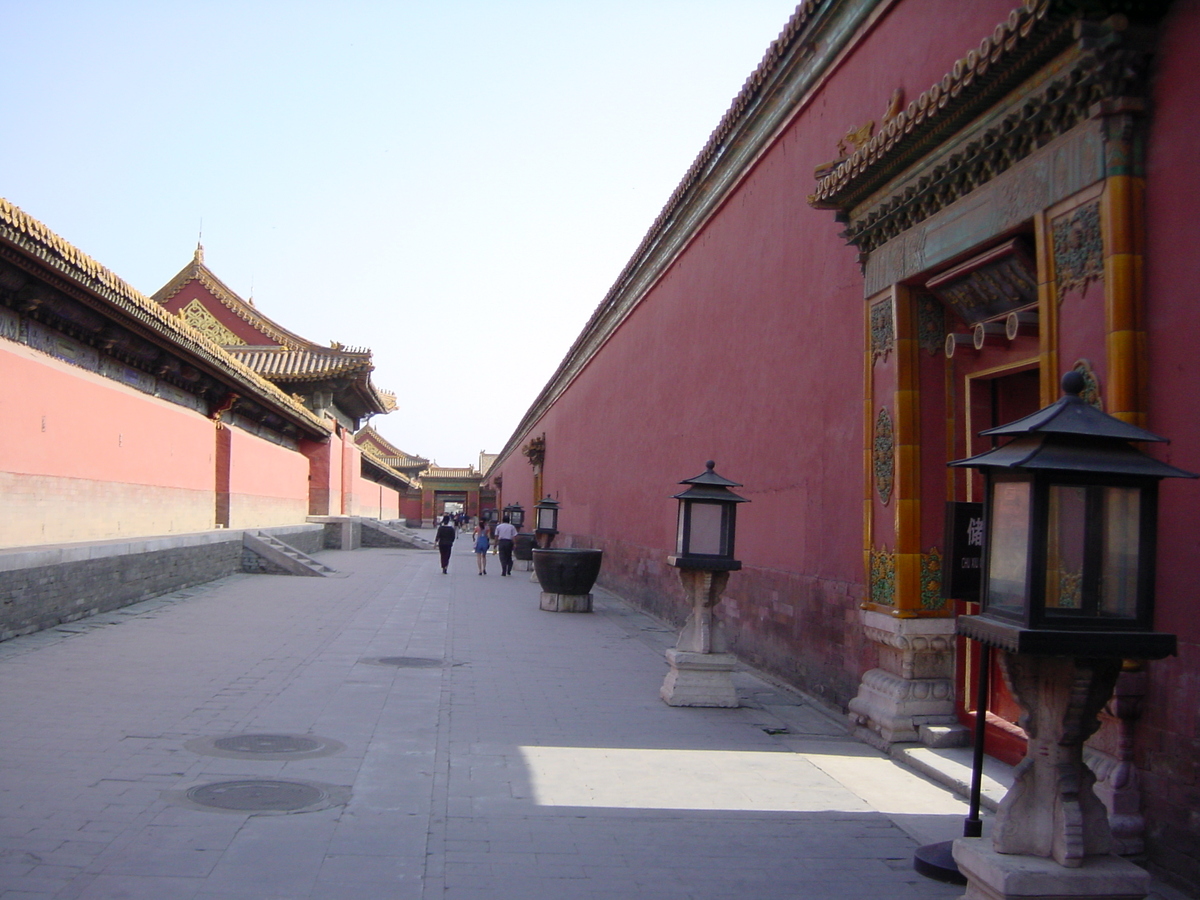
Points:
(531, 759)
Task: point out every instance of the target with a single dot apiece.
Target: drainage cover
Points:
(265, 746)
(267, 743)
(257, 796)
(410, 662)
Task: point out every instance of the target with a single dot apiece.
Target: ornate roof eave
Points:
(196, 270)
(1028, 38)
(309, 363)
(1034, 79)
(381, 465)
(103, 287)
(368, 435)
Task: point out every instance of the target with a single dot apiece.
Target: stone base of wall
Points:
(48, 585)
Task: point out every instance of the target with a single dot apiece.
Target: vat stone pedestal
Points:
(565, 602)
(566, 577)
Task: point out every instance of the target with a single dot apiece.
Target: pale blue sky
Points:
(453, 184)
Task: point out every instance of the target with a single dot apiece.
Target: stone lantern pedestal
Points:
(701, 668)
(1051, 836)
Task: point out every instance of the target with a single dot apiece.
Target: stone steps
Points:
(283, 559)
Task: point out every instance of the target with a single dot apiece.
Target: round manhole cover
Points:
(410, 662)
(267, 743)
(257, 796)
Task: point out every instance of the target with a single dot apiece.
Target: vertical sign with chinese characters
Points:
(962, 565)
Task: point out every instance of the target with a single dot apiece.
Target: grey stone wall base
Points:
(46, 586)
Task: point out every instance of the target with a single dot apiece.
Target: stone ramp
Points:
(277, 558)
(391, 534)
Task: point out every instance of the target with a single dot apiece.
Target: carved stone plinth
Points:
(699, 679)
(1117, 782)
(999, 876)
(566, 602)
(1051, 810)
(701, 669)
(913, 685)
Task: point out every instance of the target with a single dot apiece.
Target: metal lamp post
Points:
(701, 669)
(1068, 592)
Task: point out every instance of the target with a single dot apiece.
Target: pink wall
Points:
(82, 425)
(268, 484)
(121, 462)
(1169, 743)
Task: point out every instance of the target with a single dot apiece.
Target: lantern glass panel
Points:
(1008, 548)
(546, 518)
(1119, 554)
(1065, 546)
(707, 537)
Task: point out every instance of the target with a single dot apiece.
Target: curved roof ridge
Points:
(52, 249)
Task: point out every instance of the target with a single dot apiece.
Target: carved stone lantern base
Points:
(1051, 837)
(699, 679)
(1004, 876)
(701, 669)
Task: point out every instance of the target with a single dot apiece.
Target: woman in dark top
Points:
(444, 541)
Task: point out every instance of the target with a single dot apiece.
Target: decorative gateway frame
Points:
(1036, 126)
(1015, 181)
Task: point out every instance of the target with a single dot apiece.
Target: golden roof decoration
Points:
(196, 270)
(197, 315)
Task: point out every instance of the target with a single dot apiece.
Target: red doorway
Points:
(990, 398)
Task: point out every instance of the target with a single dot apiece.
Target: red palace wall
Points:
(1168, 743)
(268, 484)
(749, 351)
(122, 463)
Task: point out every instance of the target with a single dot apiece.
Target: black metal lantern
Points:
(546, 516)
(516, 514)
(705, 531)
(1070, 510)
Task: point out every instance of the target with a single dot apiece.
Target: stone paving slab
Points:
(529, 757)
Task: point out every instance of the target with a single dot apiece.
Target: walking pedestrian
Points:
(483, 540)
(445, 540)
(506, 533)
